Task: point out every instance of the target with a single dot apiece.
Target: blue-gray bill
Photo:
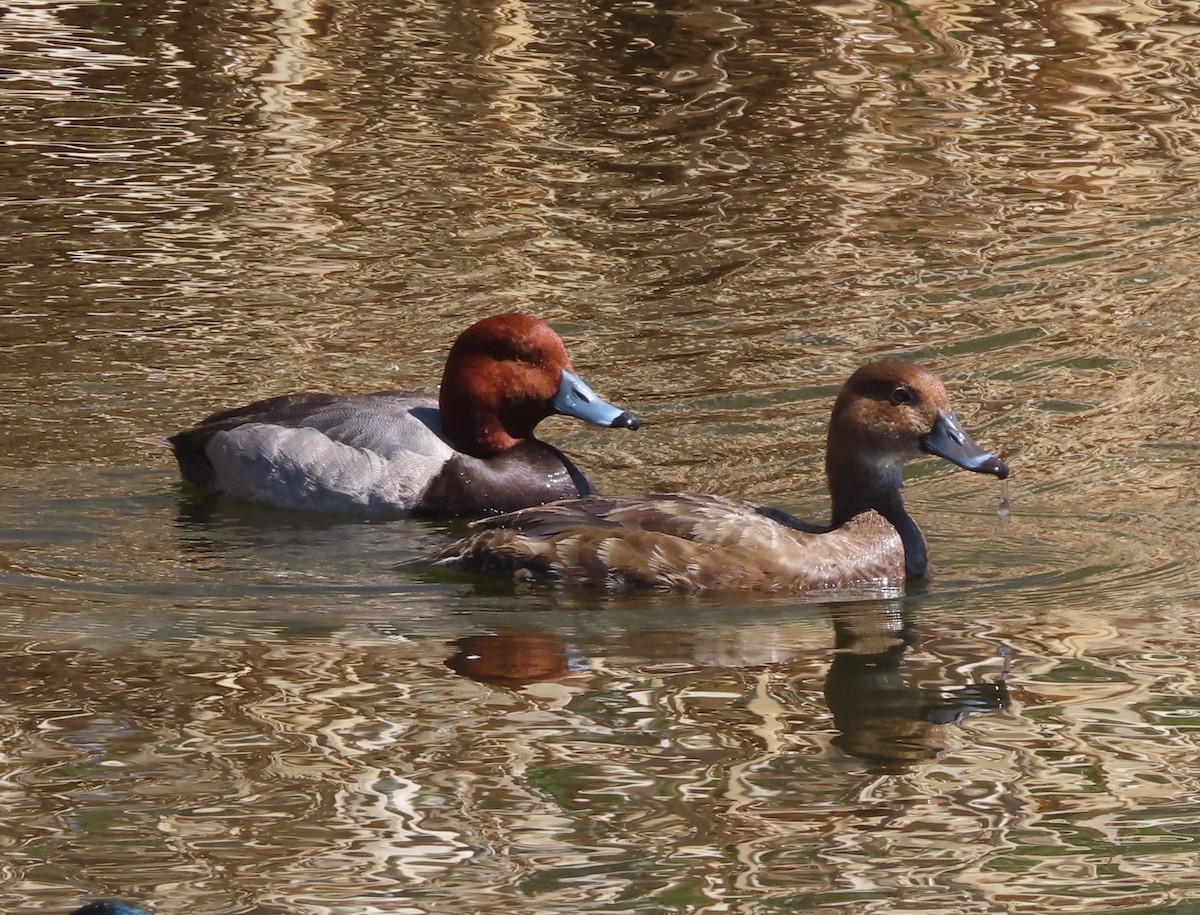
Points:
(575, 398)
(947, 439)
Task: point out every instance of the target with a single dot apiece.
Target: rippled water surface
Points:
(724, 208)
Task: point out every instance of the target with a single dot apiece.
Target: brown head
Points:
(503, 376)
(886, 413)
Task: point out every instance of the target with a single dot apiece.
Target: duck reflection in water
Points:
(881, 719)
(514, 659)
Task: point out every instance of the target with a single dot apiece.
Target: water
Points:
(725, 208)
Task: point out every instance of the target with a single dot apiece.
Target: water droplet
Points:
(1002, 510)
(1006, 654)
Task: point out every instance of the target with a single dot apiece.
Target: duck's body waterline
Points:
(886, 412)
(471, 452)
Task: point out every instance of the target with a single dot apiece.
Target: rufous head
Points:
(503, 376)
(888, 412)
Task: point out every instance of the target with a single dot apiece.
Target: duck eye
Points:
(902, 395)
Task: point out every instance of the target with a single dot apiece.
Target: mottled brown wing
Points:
(612, 544)
(706, 519)
(553, 517)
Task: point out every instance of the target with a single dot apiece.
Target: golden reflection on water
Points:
(327, 769)
(724, 210)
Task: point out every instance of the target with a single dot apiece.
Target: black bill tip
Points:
(626, 421)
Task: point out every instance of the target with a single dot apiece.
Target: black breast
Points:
(532, 473)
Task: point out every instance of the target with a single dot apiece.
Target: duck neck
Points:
(477, 432)
(470, 404)
(856, 487)
(916, 556)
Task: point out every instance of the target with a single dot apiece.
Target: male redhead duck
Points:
(471, 452)
(886, 413)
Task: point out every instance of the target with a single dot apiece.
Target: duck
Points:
(469, 452)
(886, 413)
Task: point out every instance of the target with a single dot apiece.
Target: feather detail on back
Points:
(678, 542)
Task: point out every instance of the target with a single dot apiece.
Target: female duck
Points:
(886, 413)
(471, 452)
